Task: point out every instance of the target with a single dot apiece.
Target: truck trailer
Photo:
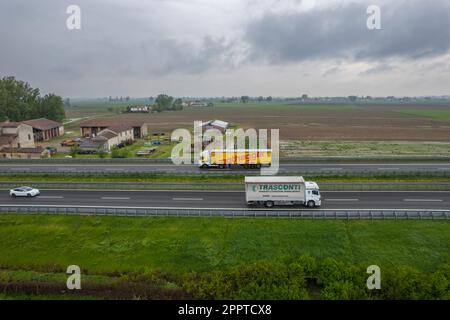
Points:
(247, 158)
(273, 190)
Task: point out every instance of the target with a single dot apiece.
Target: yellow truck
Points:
(247, 158)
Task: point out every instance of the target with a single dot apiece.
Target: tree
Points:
(51, 107)
(164, 101)
(177, 104)
(269, 99)
(245, 99)
(19, 101)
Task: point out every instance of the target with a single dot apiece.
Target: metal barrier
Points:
(304, 159)
(325, 186)
(319, 214)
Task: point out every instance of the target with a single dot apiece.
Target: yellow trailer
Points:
(251, 158)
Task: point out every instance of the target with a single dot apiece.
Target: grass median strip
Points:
(441, 176)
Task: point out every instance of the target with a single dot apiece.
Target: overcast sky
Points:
(228, 47)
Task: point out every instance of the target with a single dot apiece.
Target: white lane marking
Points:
(50, 197)
(388, 168)
(116, 198)
(187, 199)
(341, 199)
(114, 169)
(446, 169)
(423, 200)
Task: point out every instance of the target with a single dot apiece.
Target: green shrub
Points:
(119, 153)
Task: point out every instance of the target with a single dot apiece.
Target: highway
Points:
(191, 169)
(227, 200)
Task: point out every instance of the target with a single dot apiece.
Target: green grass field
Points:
(435, 114)
(173, 258)
(115, 244)
(279, 105)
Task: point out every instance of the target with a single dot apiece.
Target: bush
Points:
(261, 280)
(119, 153)
(74, 150)
(101, 152)
(337, 280)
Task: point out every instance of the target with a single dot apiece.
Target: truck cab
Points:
(205, 159)
(312, 194)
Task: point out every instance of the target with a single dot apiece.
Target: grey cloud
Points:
(332, 71)
(138, 44)
(411, 29)
(114, 40)
(378, 69)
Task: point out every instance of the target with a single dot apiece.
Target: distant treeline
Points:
(19, 102)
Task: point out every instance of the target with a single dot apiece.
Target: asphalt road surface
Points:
(284, 168)
(226, 200)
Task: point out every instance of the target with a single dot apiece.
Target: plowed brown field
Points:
(366, 123)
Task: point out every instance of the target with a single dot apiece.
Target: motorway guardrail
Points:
(305, 159)
(324, 186)
(346, 214)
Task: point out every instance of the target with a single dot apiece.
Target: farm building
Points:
(16, 135)
(23, 153)
(45, 129)
(94, 127)
(222, 126)
(198, 103)
(139, 109)
(108, 138)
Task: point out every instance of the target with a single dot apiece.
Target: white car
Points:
(24, 192)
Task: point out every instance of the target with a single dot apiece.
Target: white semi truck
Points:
(272, 190)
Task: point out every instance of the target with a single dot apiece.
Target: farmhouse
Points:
(17, 141)
(94, 127)
(16, 135)
(108, 138)
(45, 129)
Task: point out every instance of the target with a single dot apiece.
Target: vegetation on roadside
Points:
(223, 258)
(218, 177)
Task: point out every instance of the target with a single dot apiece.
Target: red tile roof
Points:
(108, 123)
(43, 124)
